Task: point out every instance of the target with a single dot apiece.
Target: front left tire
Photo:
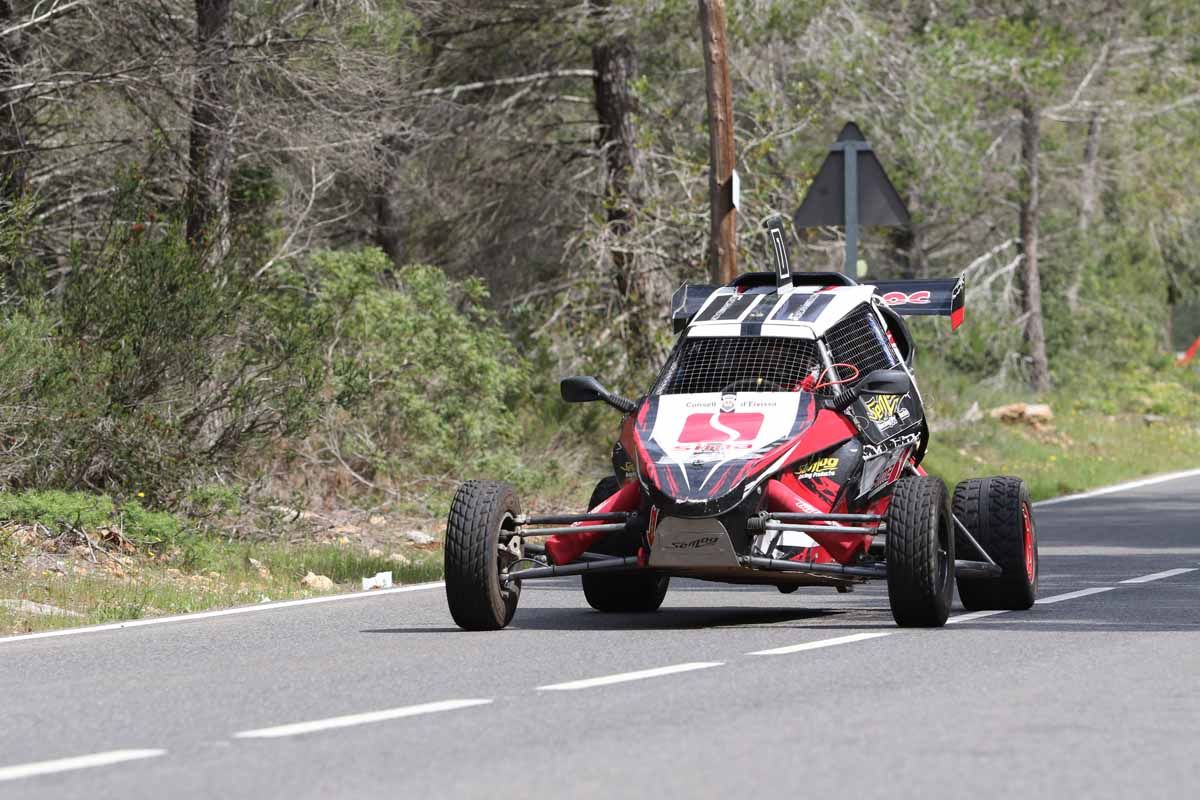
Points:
(628, 594)
(999, 515)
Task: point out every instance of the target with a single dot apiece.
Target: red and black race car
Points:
(780, 444)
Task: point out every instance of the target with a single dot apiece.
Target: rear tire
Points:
(998, 514)
(480, 512)
(621, 593)
(920, 553)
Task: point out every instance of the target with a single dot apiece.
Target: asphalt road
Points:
(1093, 693)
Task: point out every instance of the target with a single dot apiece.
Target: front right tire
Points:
(920, 553)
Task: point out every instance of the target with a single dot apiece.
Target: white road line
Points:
(350, 720)
(817, 645)
(622, 677)
(1121, 487)
(224, 612)
(78, 762)
(1157, 576)
(1058, 598)
(974, 615)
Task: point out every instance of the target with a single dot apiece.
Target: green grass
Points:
(60, 511)
(195, 573)
(1083, 452)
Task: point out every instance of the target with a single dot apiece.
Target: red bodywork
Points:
(783, 491)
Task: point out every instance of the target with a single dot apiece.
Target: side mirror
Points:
(885, 381)
(585, 389)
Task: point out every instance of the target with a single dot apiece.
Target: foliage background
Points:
(421, 237)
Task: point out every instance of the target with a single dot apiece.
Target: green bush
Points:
(424, 383)
(155, 366)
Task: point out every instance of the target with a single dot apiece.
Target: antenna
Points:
(778, 244)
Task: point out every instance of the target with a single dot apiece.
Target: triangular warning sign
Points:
(825, 202)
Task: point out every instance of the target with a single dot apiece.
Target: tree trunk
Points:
(722, 246)
(211, 149)
(1035, 336)
(1088, 192)
(389, 222)
(615, 63)
(15, 158)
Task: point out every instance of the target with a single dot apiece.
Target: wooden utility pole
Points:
(722, 246)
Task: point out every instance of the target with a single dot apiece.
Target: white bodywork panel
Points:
(765, 307)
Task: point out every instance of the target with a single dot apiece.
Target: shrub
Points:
(155, 367)
(423, 381)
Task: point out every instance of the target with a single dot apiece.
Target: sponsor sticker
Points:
(728, 402)
(921, 297)
(882, 406)
(873, 450)
(695, 544)
(818, 468)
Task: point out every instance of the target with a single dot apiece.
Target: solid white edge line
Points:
(820, 643)
(297, 728)
(623, 677)
(1157, 576)
(1058, 598)
(75, 762)
(224, 612)
(1120, 487)
(974, 615)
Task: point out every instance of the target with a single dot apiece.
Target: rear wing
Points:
(941, 297)
(687, 302)
(935, 297)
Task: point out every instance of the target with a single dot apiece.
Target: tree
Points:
(14, 154)
(1030, 210)
(210, 152)
(615, 65)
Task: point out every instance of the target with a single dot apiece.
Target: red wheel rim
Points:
(1030, 553)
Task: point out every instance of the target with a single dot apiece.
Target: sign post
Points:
(851, 189)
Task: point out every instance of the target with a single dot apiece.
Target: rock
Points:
(320, 583)
(255, 563)
(1154, 419)
(377, 520)
(37, 609)
(375, 552)
(400, 558)
(973, 415)
(419, 537)
(1028, 413)
(1038, 412)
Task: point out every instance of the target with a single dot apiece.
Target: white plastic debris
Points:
(382, 580)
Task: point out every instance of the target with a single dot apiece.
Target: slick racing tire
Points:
(480, 515)
(621, 593)
(920, 553)
(998, 514)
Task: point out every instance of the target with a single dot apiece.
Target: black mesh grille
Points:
(859, 340)
(740, 363)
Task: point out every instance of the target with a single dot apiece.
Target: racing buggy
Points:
(780, 444)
